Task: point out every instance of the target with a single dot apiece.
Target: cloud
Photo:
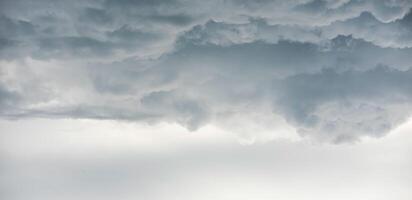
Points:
(95, 16)
(344, 106)
(7, 98)
(189, 113)
(156, 25)
(365, 26)
(196, 62)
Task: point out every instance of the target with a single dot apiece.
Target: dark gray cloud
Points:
(75, 46)
(30, 23)
(316, 64)
(95, 16)
(344, 106)
(15, 28)
(176, 19)
(7, 98)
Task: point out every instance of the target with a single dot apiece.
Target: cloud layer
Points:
(336, 70)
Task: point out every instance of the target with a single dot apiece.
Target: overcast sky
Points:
(199, 100)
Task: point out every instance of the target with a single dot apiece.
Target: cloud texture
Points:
(336, 70)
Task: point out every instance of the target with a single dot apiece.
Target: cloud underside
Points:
(336, 70)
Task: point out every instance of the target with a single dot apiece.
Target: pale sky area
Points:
(205, 100)
(91, 159)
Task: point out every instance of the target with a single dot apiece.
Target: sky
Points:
(199, 100)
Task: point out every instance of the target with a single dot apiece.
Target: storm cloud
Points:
(336, 70)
